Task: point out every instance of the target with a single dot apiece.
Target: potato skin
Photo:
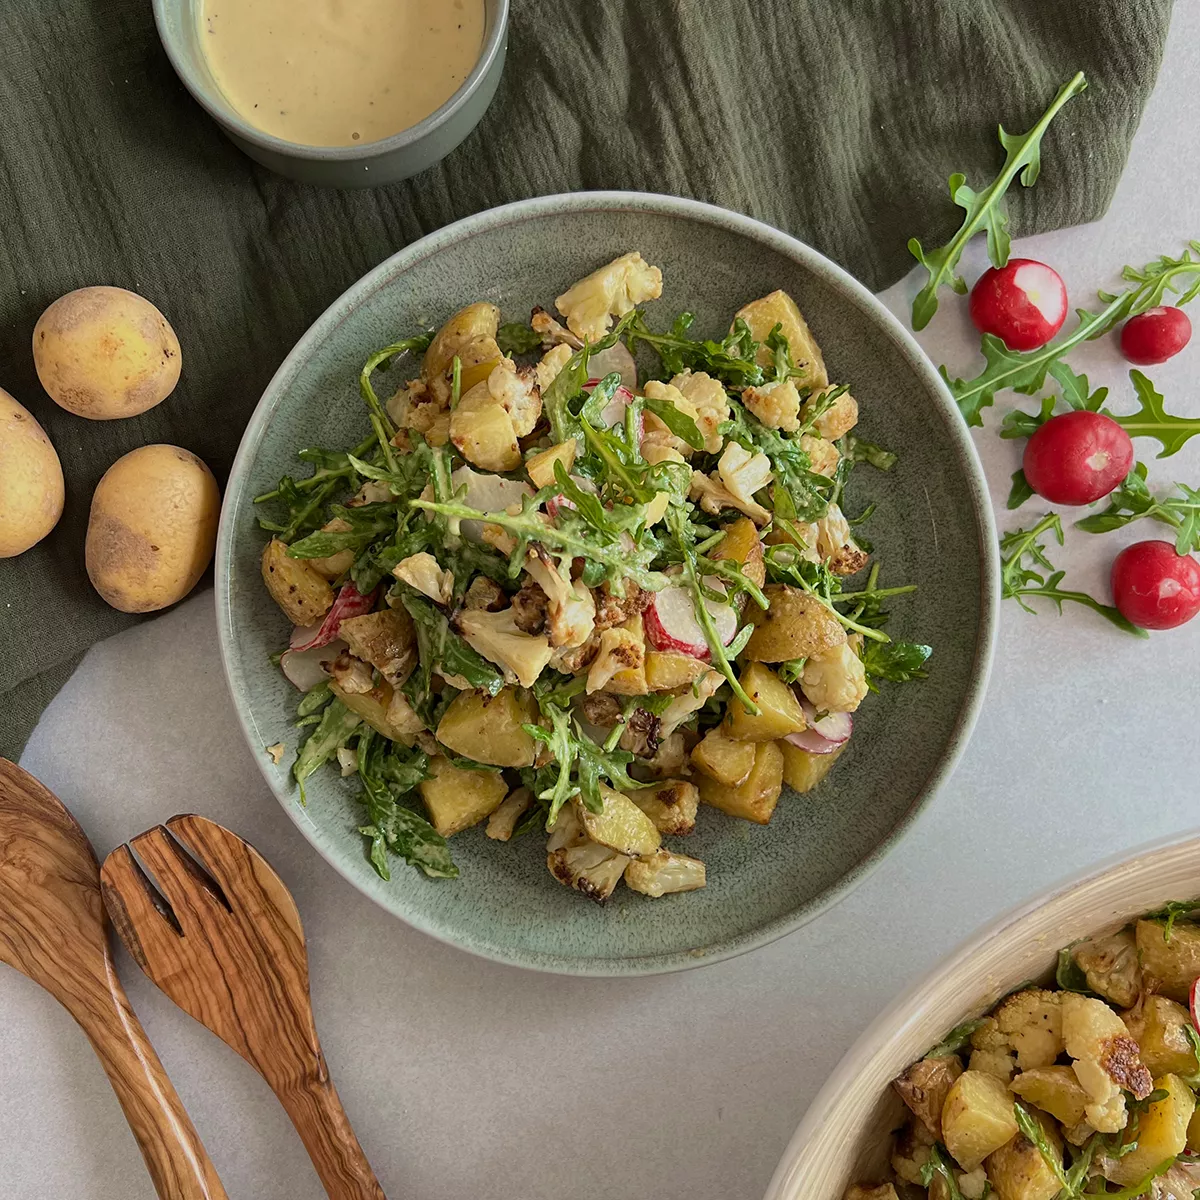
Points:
(105, 353)
(152, 528)
(796, 625)
(31, 480)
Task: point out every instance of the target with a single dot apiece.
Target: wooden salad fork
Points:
(218, 931)
(53, 929)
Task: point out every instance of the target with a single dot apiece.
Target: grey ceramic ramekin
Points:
(367, 165)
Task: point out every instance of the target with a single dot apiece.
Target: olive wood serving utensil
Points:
(219, 932)
(53, 929)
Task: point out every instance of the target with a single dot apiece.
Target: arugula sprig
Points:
(1026, 573)
(1133, 501)
(937, 1164)
(1025, 370)
(986, 210)
(381, 423)
(732, 360)
(809, 492)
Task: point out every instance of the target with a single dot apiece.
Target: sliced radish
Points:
(823, 736)
(1193, 996)
(616, 358)
(350, 602)
(305, 668)
(671, 622)
(559, 501)
(613, 413)
(487, 493)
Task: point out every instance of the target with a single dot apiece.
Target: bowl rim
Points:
(836, 276)
(226, 115)
(874, 1042)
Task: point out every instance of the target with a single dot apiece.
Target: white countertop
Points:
(468, 1079)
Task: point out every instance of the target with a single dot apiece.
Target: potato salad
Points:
(582, 577)
(1083, 1088)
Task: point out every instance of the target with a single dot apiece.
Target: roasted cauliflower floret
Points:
(1031, 1022)
(662, 873)
(423, 572)
(495, 635)
(824, 456)
(835, 421)
(836, 544)
(571, 608)
(692, 700)
(877, 1191)
(775, 404)
(1105, 1060)
(739, 475)
(516, 390)
(1112, 967)
(551, 364)
(620, 650)
(707, 396)
(835, 679)
(615, 289)
(504, 820)
(401, 716)
(552, 333)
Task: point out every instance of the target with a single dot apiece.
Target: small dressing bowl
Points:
(368, 164)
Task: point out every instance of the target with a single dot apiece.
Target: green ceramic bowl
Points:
(933, 528)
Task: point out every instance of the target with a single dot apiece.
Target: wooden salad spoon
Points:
(53, 929)
(218, 931)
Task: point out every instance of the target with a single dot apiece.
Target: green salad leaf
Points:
(896, 661)
(1133, 501)
(515, 338)
(333, 731)
(957, 1040)
(732, 360)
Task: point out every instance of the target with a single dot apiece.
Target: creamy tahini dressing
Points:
(340, 72)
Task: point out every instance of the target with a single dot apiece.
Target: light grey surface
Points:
(468, 1079)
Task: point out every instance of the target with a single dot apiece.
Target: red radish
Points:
(348, 603)
(613, 413)
(1154, 587)
(1192, 997)
(559, 501)
(1155, 335)
(616, 358)
(823, 736)
(305, 668)
(1077, 457)
(487, 493)
(1024, 303)
(671, 622)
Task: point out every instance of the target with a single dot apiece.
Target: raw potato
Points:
(1157, 1025)
(1054, 1090)
(779, 710)
(755, 798)
(977, 1118)
(488, 728)
(1162, 1133)
(457, 799)
(1018, 1171)
(31, 480)
(475, 321)
(302, 592)
(924, 1087)
(1171, 965)
(152, 528)
(802, 770)
(779, 308)
(719, 757)
(105, 353)
(796, 625)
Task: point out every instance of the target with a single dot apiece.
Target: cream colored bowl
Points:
(845, 1134)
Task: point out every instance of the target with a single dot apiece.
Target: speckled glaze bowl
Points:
(368, 164)
(845, 1136)
(933, 527)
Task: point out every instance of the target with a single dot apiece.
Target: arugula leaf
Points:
(957, 1039)
(809, 492)
(1143, 1185)
(1171, 912)
(1021, 579)
(516, 338)
(568, 384)
(336, 725)
(381, 423)
(1133, 500)
(366, 521)
(438, 646)
(855, 449)
(1033, 1132)
(1025, 370)
(936, 1164)
(986, 210)
(679, 423)
(1020, 490)
(314, 699)
(1152, 419)
(897, 661)
(1069, 975)
(733, 360)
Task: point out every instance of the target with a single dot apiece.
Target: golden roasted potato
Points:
(105, 353)
(540, 467)
(337, 564)
(457, 799)
(1054, 1090)
(779, 308)
(977, 1118)
(477, 359)
(865, 1191)
(1157, 1024)
(754, 799)
(488, 728)
(796, 625)
(31, 480)
(803, 770)
(719, 757)
(304, 595)
(670, 804)
(779, 711)
(483, 433)
(1017, 1170)
(385, 639)
(1193, 1133)
(667, 670)
(924, 1087)
(1162, 1133)
(620, 825)
(153, 528)
(480, 320)
(1171, 966)
(741, 544)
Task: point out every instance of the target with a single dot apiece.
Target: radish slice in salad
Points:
(1193, 996)
(823, 736)
(350, 602)
(487, 493)
(560, 501)
(304, 667)
(671, 622)
(613, 413)
(616, 358)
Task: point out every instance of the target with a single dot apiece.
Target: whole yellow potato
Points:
(31, 480)
(152, 528)
(104, 353)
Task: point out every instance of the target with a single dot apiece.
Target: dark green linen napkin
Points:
(836, 120)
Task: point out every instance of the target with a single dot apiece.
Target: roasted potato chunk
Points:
(1017, 1170)
(620, 825)
(489, 728)
(304, 595)
(867, 1191)
(384, 639)
(719, 757)
(476, 359)
(779, 308)
(671, 805)
(482, 432)
(803, 770)
(754, 799)
(475, 321)
(977, 1118)
(1054, 1090)
(924, 1087)
(741, 544)
(385, 710)
(667, 670)
(779, 710)
(1171, 966)
(540, 467)
(1157, 1024)
(796, 625)
(457, 799)
(1162, 1133)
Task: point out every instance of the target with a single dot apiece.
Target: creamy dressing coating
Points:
(340, 72)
